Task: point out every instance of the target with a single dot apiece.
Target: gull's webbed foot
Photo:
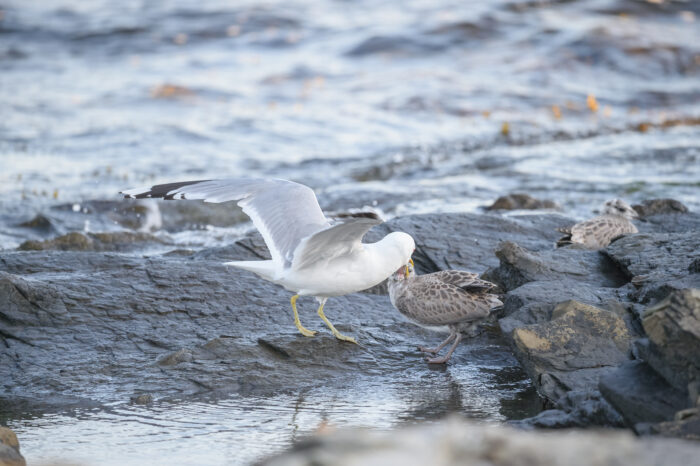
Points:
(439, 347)
(342, 337)
(305, 331)
(446, 357)
(336, 333)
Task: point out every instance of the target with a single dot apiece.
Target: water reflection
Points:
(242, 429)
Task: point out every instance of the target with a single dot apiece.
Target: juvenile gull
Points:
(310, 255)
(598, 232)
(454, 298)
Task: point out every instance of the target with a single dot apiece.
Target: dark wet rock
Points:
(673, 330)
(534, 302)
(657, 263)
(101, 215)
(518, 201)
(19, 295)
(9, 449)
(41, 223)
(519, 266)
(457, 441)
(589, 408)
(275, 348)
(145, 215)
(179, 216)
(143, 399)
(179, 253)
(653, 394)
(183, 326)
(632, 270)
(641, 395)
(76, 241)
(249, 247)
(550, 419)
(576, 409)
(468, 241)
(686, 425)
(694, 266)
(651, 207)
(573, 349)
(159, 324)
(669, 223)
(176, 357)
(72, 241)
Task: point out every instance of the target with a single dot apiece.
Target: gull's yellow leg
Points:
(304, 331)
(336, 333)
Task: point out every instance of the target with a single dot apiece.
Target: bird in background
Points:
(311, 256)
(600, 231)
(453, 298)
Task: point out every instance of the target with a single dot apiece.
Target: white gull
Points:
(310, 255)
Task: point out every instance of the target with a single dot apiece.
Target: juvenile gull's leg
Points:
(439, 347)
(445, 358)
(336, 333)
(304, 331)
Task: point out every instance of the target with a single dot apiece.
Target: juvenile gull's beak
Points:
(406, 271)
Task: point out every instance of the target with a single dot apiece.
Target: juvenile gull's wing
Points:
(600, 231)
(430, 301)
(283, 211)
(335, 240)
(466, 280)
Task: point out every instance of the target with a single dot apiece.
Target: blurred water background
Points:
(417, 106)
(409, 106)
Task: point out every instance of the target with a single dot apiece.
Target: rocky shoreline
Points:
(609, 338)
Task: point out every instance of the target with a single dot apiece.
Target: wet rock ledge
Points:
(83, 322)
(611, 337)
(608, 337)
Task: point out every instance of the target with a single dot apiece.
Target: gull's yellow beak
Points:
(406, 270)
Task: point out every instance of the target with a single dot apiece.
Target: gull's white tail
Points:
(265, 269)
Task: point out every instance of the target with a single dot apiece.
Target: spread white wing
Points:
(287, 215)
(283, 211)
(334, 241)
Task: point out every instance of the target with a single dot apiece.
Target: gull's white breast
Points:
(363, 268)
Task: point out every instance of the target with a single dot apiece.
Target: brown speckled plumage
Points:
(600, 231)
(451, 297)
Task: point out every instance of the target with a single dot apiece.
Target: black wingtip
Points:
(370, 215)
(161, 191)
